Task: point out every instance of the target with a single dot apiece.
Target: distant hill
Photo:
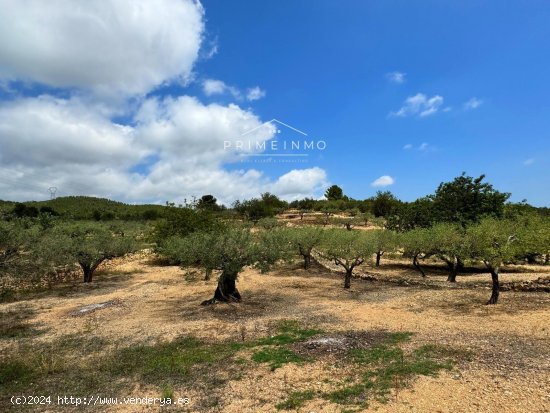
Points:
(85, 207)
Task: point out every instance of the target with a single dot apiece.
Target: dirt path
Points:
(510, 342)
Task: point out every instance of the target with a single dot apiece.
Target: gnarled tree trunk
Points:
(306, 254)
(88, 270)
(347, 278)
(453, 269)
(496, 286)
(417, 265)
(378, 256)
(207, 274)
(226, 291)
(307, 261)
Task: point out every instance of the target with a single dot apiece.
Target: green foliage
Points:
(384, 203)
(305, 239)
(534, 236)
(334, 193)
(271, 246)
(269, 223)
(88, 208)
(416, 242)
(182, 221)
(229, 249)
(494, 241)
(87, 244)
(208, 202)
(383, 240)
(466, 199)
(410, 215)
(347, 249)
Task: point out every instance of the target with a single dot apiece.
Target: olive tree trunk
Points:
(416, 265)
(307, 261)
(88, 269)
(347, 278)
(496, 285)
(453, 268)
(226, 291)
(378, 256)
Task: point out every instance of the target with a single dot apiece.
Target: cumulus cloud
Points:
(419, 105)
(170, 148)
(384, 180)
(55, 142)
(255, 93)
(104, 46)
(473, 103)
(212, 87)
(396, 77)
(299, 182)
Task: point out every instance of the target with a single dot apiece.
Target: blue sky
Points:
(414, 91)
(323, 67)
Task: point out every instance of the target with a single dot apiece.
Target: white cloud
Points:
(407, 146)
(396, 77)
(299, 182)
(423, 146)
(419, 105)
(384, 180)
(473, 103)
(109, 47)
(44, 131)
(212, 87)
(98, 51)
(255, 93)
(54, 142)
(529, 161)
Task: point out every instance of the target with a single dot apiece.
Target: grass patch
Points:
(289, 331)
(295, 400)
(276, 357)
(162, 361)
(388, 367)
(14, 323)
(15, 372)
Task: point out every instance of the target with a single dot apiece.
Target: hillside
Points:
(86, 207)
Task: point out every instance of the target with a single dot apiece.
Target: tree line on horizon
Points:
(465, 221)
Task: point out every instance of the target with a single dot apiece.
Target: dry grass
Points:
(53, 352)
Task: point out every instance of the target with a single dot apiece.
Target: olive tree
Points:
(191, 250)
(384, 241)
(534, 231)
(229, 250)
(347, 249)
(450, 244)
(416, 243)
(87, 244)
(304, 240)
(17, 265)
(347, 222)
(494, 242)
